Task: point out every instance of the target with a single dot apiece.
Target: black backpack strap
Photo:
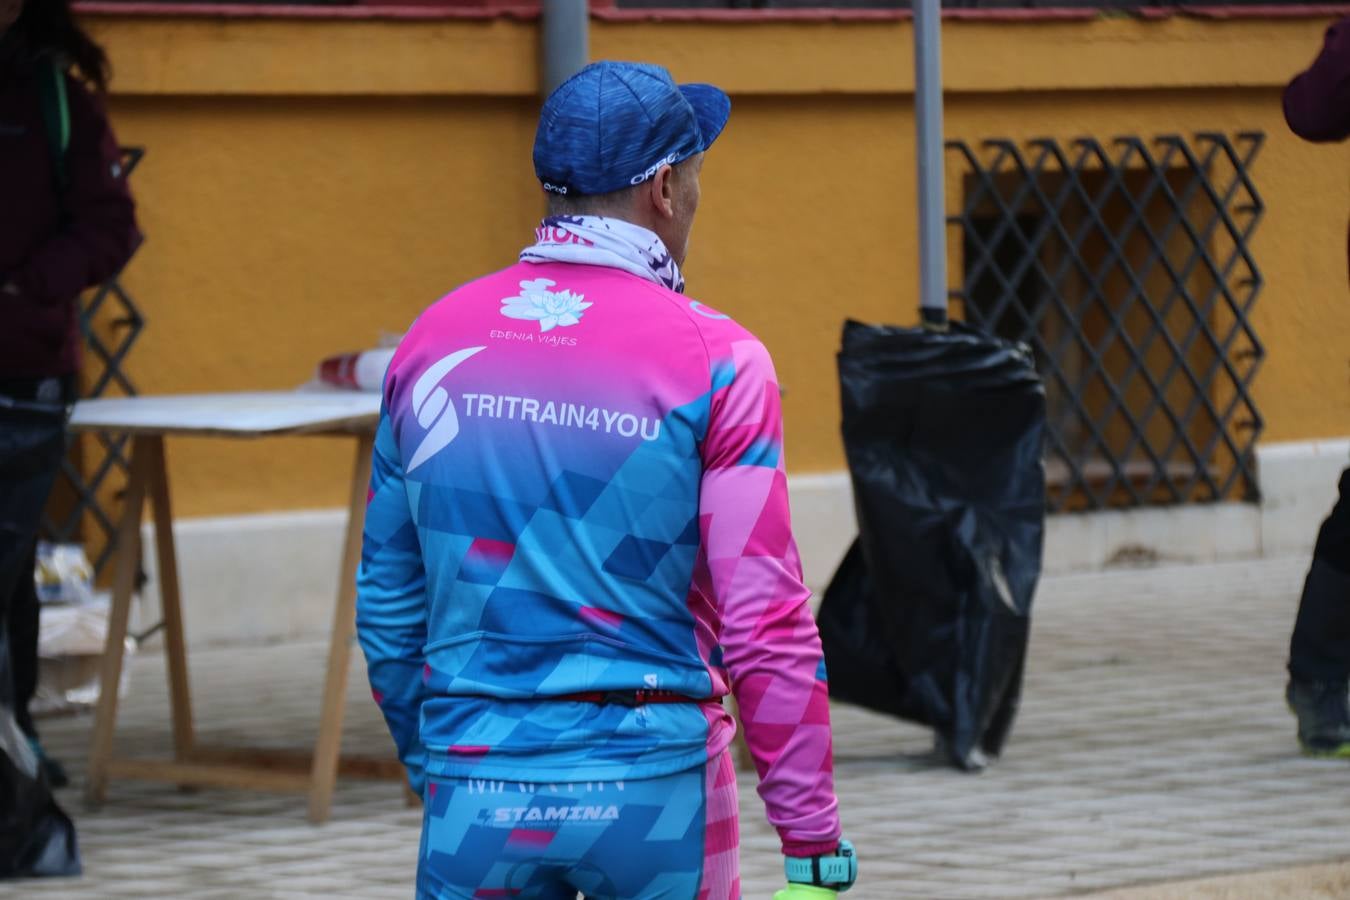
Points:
(56, 119)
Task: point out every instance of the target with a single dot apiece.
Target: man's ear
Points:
(661, 192)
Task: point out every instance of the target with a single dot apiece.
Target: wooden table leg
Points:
(126, 565)
(170, 600)
(327, 748)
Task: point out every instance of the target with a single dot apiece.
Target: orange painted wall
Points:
(310, 184)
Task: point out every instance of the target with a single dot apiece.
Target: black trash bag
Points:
(928, 616)
(36, 837)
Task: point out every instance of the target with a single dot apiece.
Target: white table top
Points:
(253, 414)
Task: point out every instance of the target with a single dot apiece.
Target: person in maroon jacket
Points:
(1317, 108)
(66, 223)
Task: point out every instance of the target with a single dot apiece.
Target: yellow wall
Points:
(310, 184)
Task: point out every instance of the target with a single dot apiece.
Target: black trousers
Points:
(32, 444)
(22, 628)
(1320, 647)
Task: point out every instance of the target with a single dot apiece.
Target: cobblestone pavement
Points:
(1153, 745)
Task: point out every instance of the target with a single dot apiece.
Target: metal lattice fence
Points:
(1114, 5)
(1126, 265)
(94, 474)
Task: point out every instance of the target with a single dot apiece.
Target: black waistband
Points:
(634, 698)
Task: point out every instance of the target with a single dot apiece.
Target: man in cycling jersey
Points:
(578, 543)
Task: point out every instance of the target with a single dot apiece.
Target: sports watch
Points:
(836, 871)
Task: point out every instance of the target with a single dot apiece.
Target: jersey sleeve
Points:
(391, 617)
(770, 644)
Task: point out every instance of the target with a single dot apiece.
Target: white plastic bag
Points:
(71, 639)
(63, 574)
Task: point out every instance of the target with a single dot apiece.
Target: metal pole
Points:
(932, 180)
(565, 40)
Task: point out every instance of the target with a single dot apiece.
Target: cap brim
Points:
(712, 108)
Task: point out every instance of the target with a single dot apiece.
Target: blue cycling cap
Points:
(614, 124)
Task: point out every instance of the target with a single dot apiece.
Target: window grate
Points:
(1113, 5)
(1127, 267)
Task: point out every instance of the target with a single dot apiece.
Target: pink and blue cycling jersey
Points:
(578, 486)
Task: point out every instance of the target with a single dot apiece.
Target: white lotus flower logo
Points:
(549, 308)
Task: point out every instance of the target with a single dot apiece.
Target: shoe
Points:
(55, 772)
(1323, 710)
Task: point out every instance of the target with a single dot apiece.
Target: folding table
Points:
(149, 420)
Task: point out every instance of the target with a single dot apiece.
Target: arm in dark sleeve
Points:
(1317, 102)
(100, 233)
